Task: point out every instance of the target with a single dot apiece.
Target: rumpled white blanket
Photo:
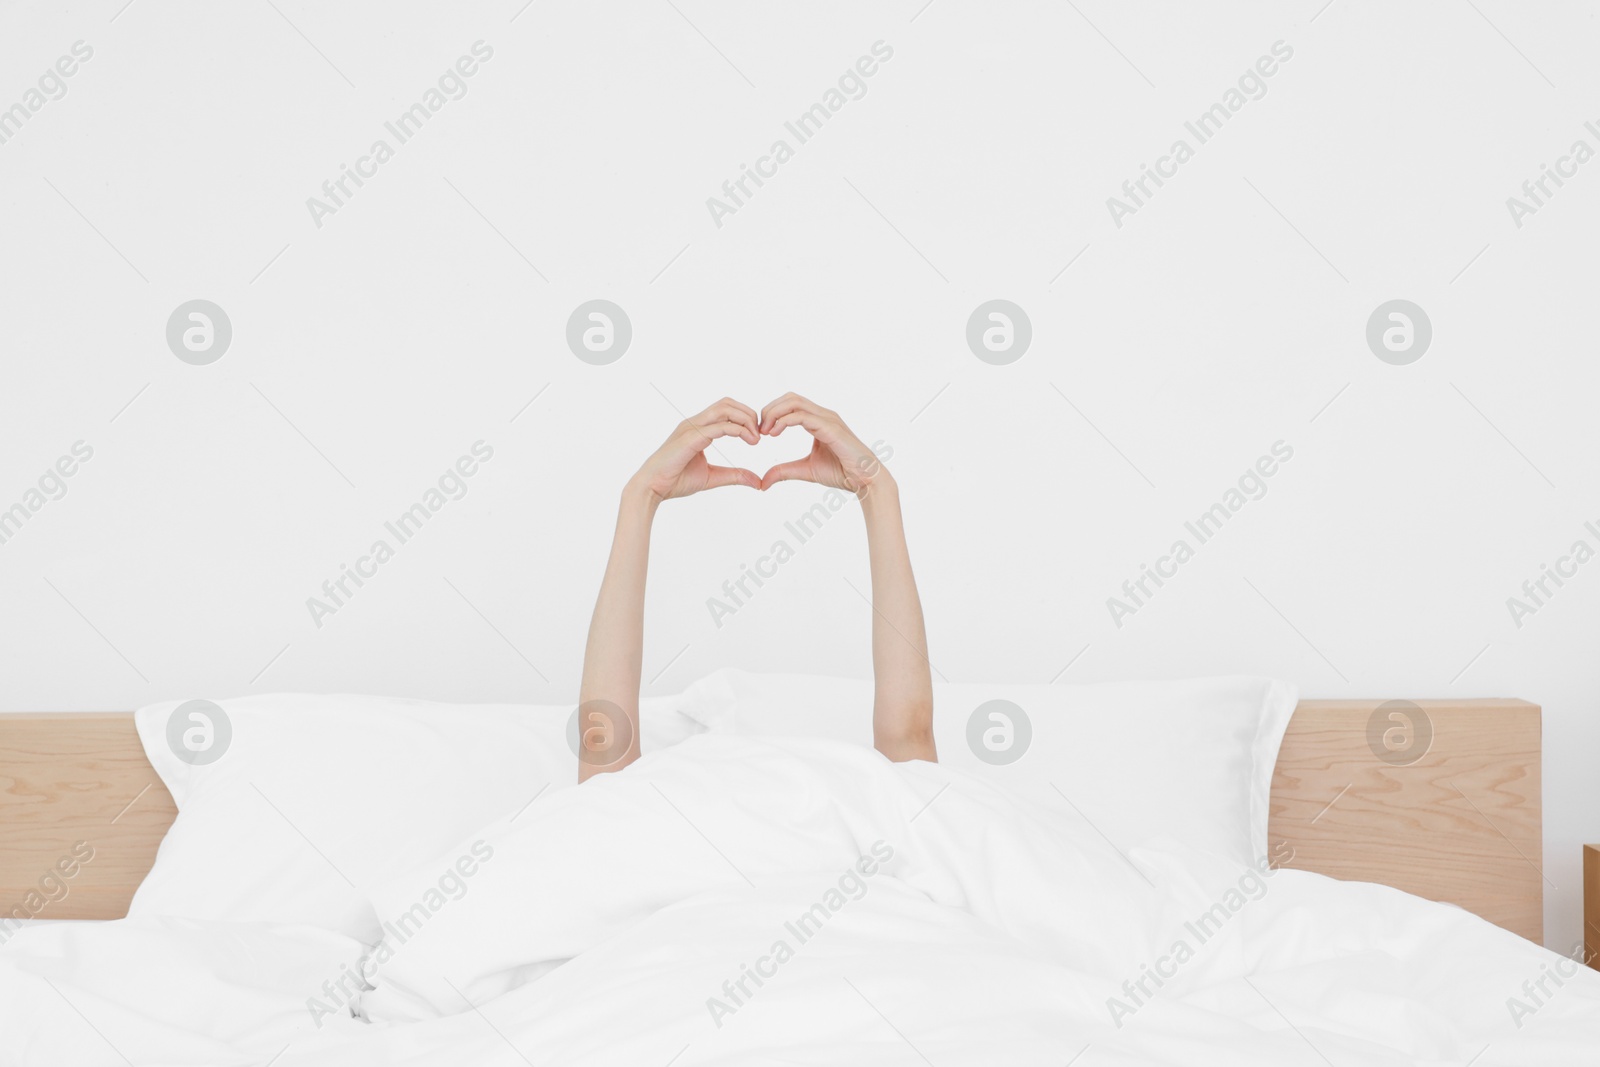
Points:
(744, 901)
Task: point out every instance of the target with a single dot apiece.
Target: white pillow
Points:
(317, 799)
(1191, 760)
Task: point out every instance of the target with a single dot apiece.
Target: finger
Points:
(721, 476)
(796, 470)
(744, 409)
(703, 436)
(814, 424)
(784, 405)
(770, 412)
(729, 428)
(730, 411)
(725, 409)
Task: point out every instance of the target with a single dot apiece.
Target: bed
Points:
(1401, 924)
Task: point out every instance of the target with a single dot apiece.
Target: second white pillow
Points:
(1191, 760)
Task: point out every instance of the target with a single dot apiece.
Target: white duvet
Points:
(743, 901)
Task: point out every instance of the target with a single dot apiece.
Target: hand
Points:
(838, 459)
(679, 467)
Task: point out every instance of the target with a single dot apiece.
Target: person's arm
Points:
(902, 709)
(608, 697)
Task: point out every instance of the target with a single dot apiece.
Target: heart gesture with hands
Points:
(902, 708)
(838, 458)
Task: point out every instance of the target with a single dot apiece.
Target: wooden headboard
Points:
(1437, 797)
(1440, 798)
(67, 777)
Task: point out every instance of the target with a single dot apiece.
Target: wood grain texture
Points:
(1461, 824)
(1591, 905)
(71, 778)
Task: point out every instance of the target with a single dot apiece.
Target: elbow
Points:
(909, 741)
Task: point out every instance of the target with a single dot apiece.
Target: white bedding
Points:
(950, 925)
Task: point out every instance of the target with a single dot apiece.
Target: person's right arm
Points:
(902, 705)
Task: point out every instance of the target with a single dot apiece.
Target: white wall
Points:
(1227, 314)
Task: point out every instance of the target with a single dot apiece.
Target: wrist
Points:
(879, 495)
(638, 500)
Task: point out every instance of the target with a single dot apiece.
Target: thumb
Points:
(721, 476)
(794, 470)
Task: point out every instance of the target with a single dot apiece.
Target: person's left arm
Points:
(608, 697)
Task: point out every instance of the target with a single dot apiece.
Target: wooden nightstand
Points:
(1591, 905)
